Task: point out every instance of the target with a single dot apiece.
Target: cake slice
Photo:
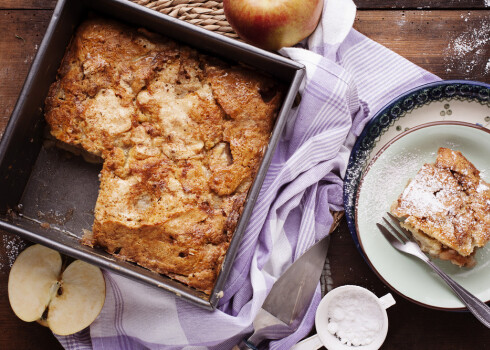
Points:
(446, 206)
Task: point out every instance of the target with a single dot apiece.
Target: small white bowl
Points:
(332, 342)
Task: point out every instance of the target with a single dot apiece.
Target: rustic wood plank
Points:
(361, 4)
(421, 4)
(22, 32)
(28, 4)
(450, 44)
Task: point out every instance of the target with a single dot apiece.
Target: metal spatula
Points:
(287, 302)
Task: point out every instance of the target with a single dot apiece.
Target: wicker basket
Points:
(206, 14)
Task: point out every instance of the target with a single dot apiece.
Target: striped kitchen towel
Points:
(349, 77)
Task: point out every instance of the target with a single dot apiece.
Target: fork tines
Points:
(396, 229)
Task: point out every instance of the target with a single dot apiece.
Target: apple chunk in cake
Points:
(446, 206)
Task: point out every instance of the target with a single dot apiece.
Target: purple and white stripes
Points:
(347, 80)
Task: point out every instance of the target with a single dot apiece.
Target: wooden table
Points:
(450, 38)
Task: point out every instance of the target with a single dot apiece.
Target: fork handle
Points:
(478, 308)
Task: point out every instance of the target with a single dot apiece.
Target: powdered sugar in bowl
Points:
(350, 318)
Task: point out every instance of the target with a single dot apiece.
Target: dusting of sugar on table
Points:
(11, 247)
(469, 50)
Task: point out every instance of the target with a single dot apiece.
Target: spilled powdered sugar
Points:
(11, 247)
(469, 50)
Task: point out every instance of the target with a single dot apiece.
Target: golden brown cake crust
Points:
(447, 207)
(181, 135)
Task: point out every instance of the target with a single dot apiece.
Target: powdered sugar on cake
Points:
(425, 195)
(447, 208)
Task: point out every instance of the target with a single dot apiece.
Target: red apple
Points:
(273, 24)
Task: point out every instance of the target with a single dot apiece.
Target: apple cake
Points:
(446, 207)
(181, 135)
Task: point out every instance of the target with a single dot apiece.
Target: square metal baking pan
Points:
(40, 185)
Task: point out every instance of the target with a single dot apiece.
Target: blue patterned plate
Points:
(451, 100)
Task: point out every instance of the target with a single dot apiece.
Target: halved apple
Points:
(65, 301)
(80, 300)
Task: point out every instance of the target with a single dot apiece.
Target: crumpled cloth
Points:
(348, 78)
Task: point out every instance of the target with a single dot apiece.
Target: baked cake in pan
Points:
(181, 136)
(447, 208)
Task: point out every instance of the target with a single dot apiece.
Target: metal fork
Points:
(402, 240)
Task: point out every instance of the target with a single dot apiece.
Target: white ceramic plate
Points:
(385, 178)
